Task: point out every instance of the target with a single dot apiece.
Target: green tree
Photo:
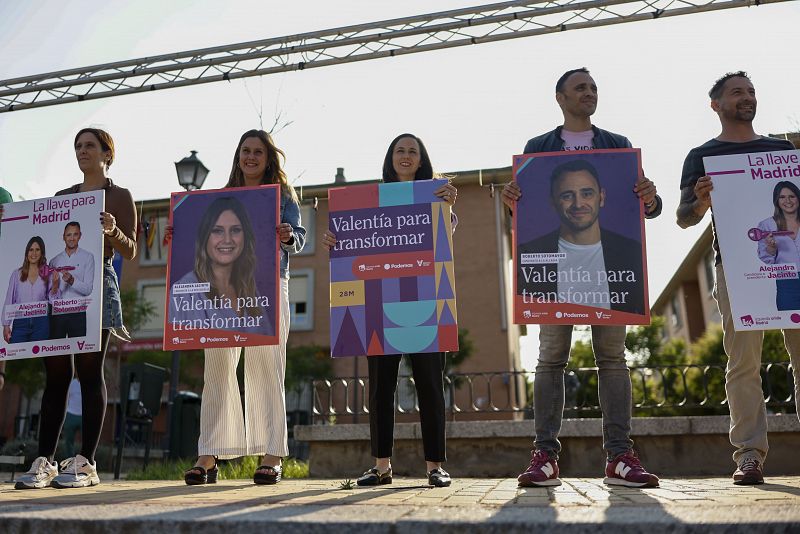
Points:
(135, 309)
(304, 362)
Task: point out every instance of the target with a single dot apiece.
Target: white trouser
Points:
(225, 431)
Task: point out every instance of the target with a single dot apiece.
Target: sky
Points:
(474, 106)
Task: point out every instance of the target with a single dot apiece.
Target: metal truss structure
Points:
(408, 35)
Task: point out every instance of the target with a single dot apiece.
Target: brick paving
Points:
(407, 505)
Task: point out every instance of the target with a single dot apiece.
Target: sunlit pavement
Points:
(407, 505)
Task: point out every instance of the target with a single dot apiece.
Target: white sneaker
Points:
(40, 475)
(76, 472)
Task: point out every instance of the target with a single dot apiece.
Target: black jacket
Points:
(552, 142)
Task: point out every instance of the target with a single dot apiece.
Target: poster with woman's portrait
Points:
(579, 242)
(222, 273)
(756, 205)
(52, 275)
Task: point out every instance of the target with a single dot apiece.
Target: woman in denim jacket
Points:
(225, 431)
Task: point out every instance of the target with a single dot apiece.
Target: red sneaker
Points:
(748, 473)
(543, 471)
(626, 470)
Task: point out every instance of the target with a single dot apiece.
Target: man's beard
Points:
(743, 115)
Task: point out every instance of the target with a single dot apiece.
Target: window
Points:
(301, 299)
(675, 312)
(155, 293)
(151, 245)
(308, 220)
(710, 269)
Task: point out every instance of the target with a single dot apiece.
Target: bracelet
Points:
(649, 205)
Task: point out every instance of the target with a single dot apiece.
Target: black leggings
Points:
(59, 371)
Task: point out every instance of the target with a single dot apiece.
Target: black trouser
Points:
(68, 325)
(58, 375)
(427, 370)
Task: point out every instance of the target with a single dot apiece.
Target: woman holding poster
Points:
(94, 150)
(28, 286)
(406, 160)
(226, 432)
(780, 242)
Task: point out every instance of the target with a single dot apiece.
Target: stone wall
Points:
(668, 447)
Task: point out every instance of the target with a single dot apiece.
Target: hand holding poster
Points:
(53, 267)
(579, 243)
(223, 269)
(757, 222)
(392, 277)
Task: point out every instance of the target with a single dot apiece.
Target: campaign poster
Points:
(579, 242)
(223, 269)
(52, 271)
(392, 276)
(755, 199)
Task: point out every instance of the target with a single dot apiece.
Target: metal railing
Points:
(657, 390)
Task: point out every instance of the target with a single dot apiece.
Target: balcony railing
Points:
(657, 390)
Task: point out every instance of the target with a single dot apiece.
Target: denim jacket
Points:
(290, 213)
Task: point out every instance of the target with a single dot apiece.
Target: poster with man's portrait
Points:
(223, 269)
(756, 203)
(52, 273)
(579, 243)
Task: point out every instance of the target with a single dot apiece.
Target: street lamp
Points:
(191, 172)
(191, 175)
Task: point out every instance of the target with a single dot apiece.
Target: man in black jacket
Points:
(576, 94)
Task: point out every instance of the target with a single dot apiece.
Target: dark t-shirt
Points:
(693, 167)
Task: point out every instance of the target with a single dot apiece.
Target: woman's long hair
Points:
(273, 173)
(779, 217)
(23, 271)
(425, 171)
(244, 268)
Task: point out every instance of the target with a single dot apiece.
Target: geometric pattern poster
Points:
(579, 241)
(392, 276)
(756, 203)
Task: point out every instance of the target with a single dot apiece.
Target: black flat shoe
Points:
(273, 476)
(197, 475)
(373, 477)
(439, 478)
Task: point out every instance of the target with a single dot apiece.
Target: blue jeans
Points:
(787, 294)
(614, 385)
(30, 329)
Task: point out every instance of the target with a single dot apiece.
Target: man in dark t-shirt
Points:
(733, 98)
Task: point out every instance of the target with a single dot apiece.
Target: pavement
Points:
(309, 506)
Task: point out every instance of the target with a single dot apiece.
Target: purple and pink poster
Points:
(579, 242)
(222, 274)
(392, 275)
